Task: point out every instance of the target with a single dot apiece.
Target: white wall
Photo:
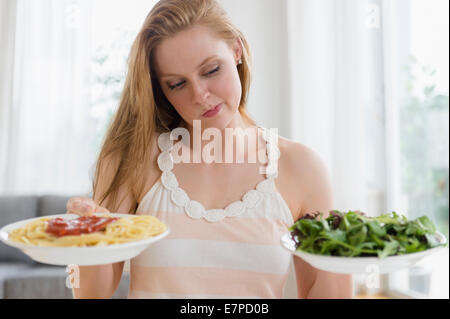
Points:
(263, 22)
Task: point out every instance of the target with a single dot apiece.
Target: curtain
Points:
(328, 54)
(45, 128)
(8, 9)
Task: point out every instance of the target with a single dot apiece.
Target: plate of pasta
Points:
(101, 238)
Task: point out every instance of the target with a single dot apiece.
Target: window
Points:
(115, 26)
(418, 124)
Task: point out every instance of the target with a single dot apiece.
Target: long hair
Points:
(143, 109)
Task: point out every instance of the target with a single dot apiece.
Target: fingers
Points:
(80, 206)
(83, 206)
(100, 209)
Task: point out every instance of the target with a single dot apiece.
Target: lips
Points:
(213, 111)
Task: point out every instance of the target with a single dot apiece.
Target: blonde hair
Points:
(143, 109)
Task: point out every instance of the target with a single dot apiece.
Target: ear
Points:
(237, 50)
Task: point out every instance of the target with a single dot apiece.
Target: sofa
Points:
(22, 277)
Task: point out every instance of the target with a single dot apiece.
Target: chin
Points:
(216, 123)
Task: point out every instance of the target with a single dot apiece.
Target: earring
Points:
(240, 62)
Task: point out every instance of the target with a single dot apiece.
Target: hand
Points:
(83, 206)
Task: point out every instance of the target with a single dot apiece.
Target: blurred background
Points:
(362, 82)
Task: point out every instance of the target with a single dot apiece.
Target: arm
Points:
(98, 282)
(317, 196)
(101, 281)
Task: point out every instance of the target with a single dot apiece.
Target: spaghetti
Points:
(102, 231)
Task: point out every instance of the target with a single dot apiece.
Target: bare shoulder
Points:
(306, 177)
(299, 158)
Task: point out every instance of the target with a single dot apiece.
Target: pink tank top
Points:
(233, 252)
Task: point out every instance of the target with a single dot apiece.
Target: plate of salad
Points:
(353, 243)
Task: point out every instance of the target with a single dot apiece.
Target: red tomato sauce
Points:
(81, 225)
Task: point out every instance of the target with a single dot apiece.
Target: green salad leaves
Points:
(353, 234)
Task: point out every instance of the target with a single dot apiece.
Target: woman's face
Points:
(197, 72)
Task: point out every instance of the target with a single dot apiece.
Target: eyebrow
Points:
(198, 67)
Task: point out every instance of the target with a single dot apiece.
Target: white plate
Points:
(82, 256)
(360, 265)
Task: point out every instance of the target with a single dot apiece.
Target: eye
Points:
(176, 86)
(180, 84)
(213, 71)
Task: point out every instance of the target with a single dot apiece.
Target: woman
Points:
(189, 65)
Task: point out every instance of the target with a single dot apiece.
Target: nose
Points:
(200, 93)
